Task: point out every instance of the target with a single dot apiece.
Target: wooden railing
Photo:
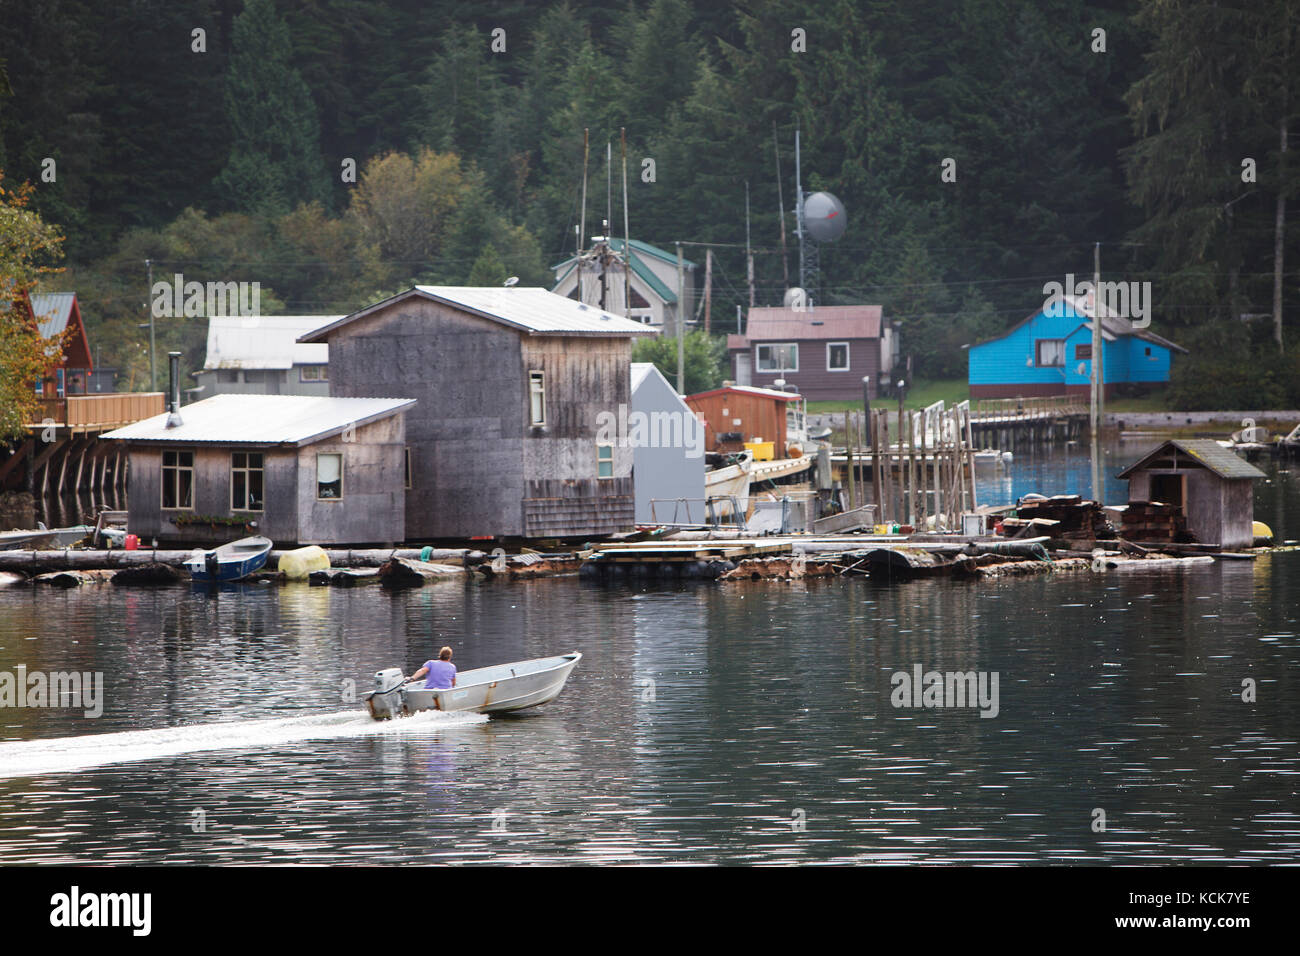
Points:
(99, 410)
(1025, 409)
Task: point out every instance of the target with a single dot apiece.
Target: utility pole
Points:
(153, 376)
(1097, 382)
(749, 252)
(680, 321)
(798, 210)
(780, 201)
(708, 290)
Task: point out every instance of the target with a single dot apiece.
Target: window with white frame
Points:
(329, 476)
(537, 398)
(178, 480)
(837, 356)
(246, 481)
(313, 373)
(604, 461)
(1050, 353)
(778, 357)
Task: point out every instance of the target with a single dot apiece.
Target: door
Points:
(742, 368)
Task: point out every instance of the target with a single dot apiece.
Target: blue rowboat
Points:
(230, 562)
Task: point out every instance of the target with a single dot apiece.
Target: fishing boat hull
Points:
(230, 562)
(485, 690)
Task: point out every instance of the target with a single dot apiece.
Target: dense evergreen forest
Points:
(214, 137)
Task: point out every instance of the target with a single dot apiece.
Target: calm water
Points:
(706, 724)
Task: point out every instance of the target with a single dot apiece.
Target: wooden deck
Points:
(1010, 411)
(98, 411)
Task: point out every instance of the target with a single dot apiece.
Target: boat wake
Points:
(63, 754)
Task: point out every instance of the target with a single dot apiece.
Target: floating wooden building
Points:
(511, 384)
(298, 469)
(1208, 487)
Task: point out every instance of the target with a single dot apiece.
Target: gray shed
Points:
(667, 451)
(1209, 485)
(299, 469)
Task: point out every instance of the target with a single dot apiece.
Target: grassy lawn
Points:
(925, 392)
(1155, 402)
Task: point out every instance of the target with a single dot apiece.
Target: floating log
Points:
(1111, 563)
(85, 559)
(69, 579)
(413, 573)
(344, 577)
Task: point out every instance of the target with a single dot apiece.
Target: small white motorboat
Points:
(484, 690)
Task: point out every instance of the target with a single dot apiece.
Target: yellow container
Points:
(298, 564)
(882, 529)
(762, 450)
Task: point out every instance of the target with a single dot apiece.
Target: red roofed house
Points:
(823, 352)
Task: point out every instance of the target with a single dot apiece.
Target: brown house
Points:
(823, 352)
(511, 386)
(1208, 488)
(735, 414)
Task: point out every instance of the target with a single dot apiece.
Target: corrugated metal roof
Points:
(264, 341)
(52, 311)
(748, 390)
(637, 247)
(1222, 461)
(532, 310)
(822, 322)
(234, 419)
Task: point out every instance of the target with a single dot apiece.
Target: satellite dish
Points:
(796, 299)
(824, 217)
(511, 281)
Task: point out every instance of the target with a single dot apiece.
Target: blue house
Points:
(1048, 354)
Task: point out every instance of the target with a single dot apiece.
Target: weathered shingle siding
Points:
(211, 493)
(563, 495)
(373, 507)
(478, 468)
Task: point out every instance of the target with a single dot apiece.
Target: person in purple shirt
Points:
(442, 672)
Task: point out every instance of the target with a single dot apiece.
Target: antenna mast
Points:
(780, 199)
(627, 240)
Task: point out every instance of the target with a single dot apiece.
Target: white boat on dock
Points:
(484, 690)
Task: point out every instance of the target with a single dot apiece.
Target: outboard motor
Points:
(386, 700)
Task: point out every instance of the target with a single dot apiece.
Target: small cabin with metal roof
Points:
(261, 355)
(56, 313)
(1208, 485)
(299, 469)
(735, 415)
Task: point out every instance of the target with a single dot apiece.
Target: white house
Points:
(261, 355)
(600, 272)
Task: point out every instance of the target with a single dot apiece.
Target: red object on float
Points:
(132, 542)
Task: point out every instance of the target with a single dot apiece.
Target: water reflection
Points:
(707, 723)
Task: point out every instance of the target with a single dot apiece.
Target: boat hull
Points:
(486, 690)
(232, 561)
